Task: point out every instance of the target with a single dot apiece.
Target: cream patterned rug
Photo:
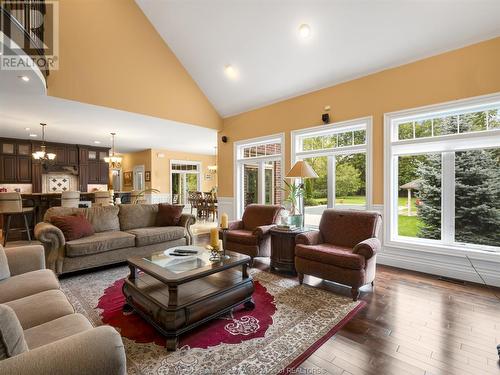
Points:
(268, 340)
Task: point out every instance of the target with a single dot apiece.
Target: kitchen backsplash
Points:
(58, 182)
(24, 188)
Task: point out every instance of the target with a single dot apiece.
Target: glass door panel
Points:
(350, 181)
(272, 182)
(316, 190)
(250, 183)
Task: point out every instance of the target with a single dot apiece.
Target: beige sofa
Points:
(120, 232)
(39, 330)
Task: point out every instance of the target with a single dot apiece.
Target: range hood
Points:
(54, 168)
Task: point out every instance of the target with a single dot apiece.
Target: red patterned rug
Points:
(290, 321)
(233, 328)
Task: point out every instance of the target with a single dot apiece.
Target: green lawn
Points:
(408, 225)
(350, 200)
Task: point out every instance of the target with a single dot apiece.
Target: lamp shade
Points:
(301, 170)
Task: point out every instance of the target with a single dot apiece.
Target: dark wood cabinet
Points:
(83, 177)
(83, 155)
(8, 169)
(18, 166)
(24, 169)
(283, 249)
(94, 173)
(72, 155)
(36, 177)
(103, 173)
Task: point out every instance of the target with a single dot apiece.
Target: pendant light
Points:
(42, 154)
(113, 161)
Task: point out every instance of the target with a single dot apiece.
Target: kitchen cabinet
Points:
(8, 169)
(94, 173)
(17, 164)
(23, 169)
(72, 155)
(83, 177)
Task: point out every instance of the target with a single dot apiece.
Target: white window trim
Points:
(463, 141)
(339, 127)
(238, 160)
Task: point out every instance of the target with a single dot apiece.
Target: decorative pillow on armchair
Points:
(168, 215)
(73, 227)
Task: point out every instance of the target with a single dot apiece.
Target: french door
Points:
(185, 177)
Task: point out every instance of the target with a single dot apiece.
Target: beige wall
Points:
(466, 72)
(110, 55)
(134, 159)
(161, 168)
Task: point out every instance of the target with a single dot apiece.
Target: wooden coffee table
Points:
(176, 295)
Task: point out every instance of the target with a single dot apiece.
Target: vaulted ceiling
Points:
(349, 39)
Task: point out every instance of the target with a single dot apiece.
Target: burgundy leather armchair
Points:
(250, 235)
(344, 250)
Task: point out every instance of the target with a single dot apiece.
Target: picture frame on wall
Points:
(128, 179)
(147, 176)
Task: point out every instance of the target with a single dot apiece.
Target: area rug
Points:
(290, 321)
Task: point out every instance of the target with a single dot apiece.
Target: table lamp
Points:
(302, 170)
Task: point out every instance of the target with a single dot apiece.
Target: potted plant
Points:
(293, 194)
(141, 195)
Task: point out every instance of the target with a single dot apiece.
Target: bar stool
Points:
(70, 199)
(11, 204)
(102, 198)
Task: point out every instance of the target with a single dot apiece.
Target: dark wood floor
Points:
(413, 324)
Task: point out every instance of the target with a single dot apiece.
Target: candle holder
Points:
(224, 235)
(215, 254)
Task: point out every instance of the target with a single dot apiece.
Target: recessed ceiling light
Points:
(27, 129)
(304, 31)
(97, 142)
(24, 78)
(33, 135)
(230, 71)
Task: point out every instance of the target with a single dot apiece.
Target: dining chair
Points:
(211, 206)
(11, 204)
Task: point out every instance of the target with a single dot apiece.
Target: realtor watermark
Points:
(30, 35)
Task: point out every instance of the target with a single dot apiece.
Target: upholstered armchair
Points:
(250, 235)
(344, 250)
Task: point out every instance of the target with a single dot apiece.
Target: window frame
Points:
(239, 161)
(339, 127)
(447, 145)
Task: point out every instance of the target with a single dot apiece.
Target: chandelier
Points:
(113, 161)
(43, 155)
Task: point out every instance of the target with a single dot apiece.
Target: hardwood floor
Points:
(412, 324)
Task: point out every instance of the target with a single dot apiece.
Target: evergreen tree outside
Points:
(477, 197)
(477, 186)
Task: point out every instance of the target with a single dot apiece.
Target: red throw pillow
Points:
(73, 227)
(168, 214)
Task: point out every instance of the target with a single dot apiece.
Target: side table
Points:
(283, 249)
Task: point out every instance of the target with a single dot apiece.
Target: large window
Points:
(340, 155)
(258, 172)
(443, 175)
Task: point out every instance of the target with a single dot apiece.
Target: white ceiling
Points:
(78, 123)
(350, 38)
